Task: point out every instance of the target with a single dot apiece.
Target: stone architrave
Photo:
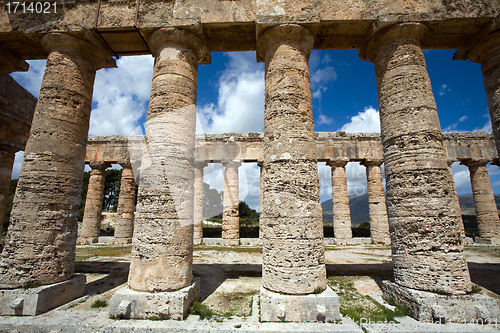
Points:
(7, 156)
(231, 215)
(125, 211)
(162, 246)
(340, 198)
(484, 201)
(457, 202)
(427, 246)
(41, 242)
(261, 168)
(198, 202)
(379, 224)
(91, 223)
(293, 263)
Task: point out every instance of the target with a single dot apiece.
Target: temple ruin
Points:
(423, 217)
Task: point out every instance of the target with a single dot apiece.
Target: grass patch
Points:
(488, 250)
(475, 289)
(228, 249)
(30, 285)
(155, 318)
(318, 290)
(99, 303)
(201, 310)
(83, 253)
(357, 306)
(441, 292)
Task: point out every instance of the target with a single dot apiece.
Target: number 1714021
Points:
(31, 7)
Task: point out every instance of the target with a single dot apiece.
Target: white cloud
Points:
(453, 127)
(240, 105)
(487, 126)
(320, 74)
(444, 89)
(322, 119)
(121, 96)
(364, 122)
(18, 161)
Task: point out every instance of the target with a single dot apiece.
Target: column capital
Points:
(338, 162)
(472, 162)
(481, 44)
(125, 164)
(99, 165)
(260, 163)
(293, 35)
(11, 62)
(381, 37)
(451, 161)
(373, 162)
(178, 37)
(69, 44)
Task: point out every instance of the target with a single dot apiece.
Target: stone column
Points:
(486, 51)
(125, 211)
(261, 202)
(162, 246)
(231, 201)
(7, 156)
(455, 195)
(40, 246)
(198, 202)
(91, 223)
(340, 198)
(484, 202)
(427, 247)
(379, 225)
(293, 255)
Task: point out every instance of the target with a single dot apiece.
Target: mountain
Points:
(358, 205)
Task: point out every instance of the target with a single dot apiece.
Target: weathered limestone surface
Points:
(457, 201)
(231, 26)
(340, 199)
(231, 214)
(293, 254)
(11, 62)
(198, 202)
(125, 211)
(484, 200)
(424, 224)
(91, 223)
(162, 246)
(7, 156)
(261, 196)
(40, 245)
(379, 224)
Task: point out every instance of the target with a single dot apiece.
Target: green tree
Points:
(111, 190)
(212, 202)
(248, 216)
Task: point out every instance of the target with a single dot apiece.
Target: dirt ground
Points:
(230, 276)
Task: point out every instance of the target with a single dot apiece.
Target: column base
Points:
(34, 301)
(382, 241)
(230, 241)
(276, 307)
(131, 304)
(197, 241)
(87, 240)
(431, 307)
(122, 241)
(489, 241)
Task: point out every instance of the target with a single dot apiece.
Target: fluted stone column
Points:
(457, 202)
(91, 223)
(40, 245)
(427, 247)
(293, 263)
(198, 202)
(7, 156)
(261, 168)
(486, 51)
(231, 201)
(484, 202)
(379, 224)
(162, 246)
(340, 198)
(125, 211)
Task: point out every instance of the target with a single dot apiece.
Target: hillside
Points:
(359, 207)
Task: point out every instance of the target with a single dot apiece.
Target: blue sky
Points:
(231, 99)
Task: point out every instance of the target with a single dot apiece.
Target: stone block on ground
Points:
(276, 307)
(35, 301)
(431, 307)
(488, 241)
(131, 304)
